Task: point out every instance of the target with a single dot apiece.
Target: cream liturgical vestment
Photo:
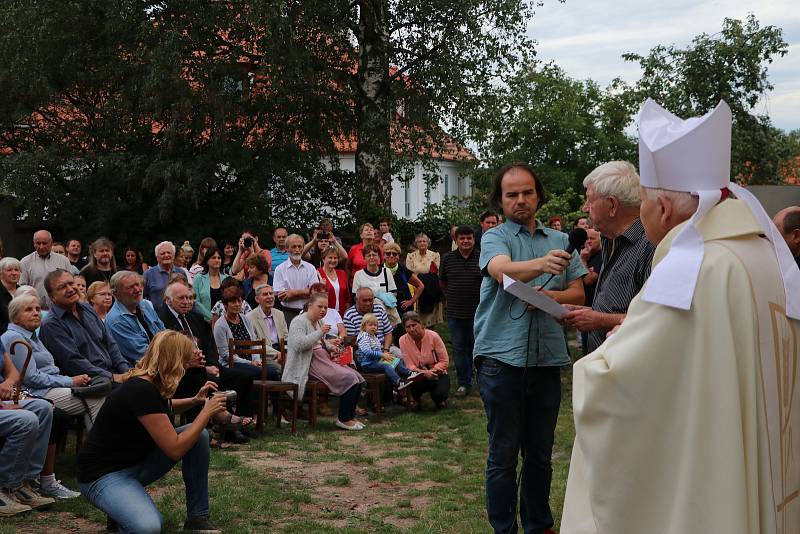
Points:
(688, 421)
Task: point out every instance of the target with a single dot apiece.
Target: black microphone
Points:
(577, 239)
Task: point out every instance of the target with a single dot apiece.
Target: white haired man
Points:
(157, 276)
(612, 202)
(294, 278)
(36, 265)
(686, 417)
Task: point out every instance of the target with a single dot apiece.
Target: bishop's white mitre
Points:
(694, 156)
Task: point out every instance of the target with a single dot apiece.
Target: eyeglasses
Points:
(391, 254)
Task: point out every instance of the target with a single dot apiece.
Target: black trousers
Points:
(239, 381)
(439, 388)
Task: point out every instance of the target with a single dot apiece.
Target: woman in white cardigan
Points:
(308, 354)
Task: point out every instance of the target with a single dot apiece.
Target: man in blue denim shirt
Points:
(519, 352)
(131, 320)
(75, 335)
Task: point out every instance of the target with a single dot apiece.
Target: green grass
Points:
(413, 472)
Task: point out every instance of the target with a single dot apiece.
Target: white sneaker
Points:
(415, 376)
(9, 506)
(58, 491)
(403, 385)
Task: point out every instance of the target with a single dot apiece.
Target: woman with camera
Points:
(133, 442)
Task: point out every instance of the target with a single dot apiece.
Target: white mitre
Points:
(694, 156)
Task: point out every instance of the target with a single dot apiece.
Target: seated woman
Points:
(374, 359)
(100, 297)
(235, 325)
(218, 309)
(133, 442)
(43, 379)
(309, 355)
(424, 352)
(199, 266)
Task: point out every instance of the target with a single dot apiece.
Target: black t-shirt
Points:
(118, 440)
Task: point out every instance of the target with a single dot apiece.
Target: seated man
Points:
(132, 320)
(365, 303)
(177, 314)
(157, 276)
(75, 335)
(269, 323)
(26, 430)
(36, 265)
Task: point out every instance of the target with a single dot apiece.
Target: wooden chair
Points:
(314, 388)
(375, 384)
(265, 387)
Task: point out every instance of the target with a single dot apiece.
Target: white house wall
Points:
(409, 206)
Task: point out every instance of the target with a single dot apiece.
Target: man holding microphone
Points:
(519, 351)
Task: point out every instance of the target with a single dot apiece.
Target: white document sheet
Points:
(537, 299)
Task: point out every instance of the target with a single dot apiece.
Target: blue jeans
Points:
(273, 371)
(27, 433)
(394, 374)
(121, 494)
(522, 411)
(462, 336)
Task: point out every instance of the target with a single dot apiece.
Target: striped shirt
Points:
(626, 265)
(352, 321)
(463, 278)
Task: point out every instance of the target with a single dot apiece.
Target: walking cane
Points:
(18, 387)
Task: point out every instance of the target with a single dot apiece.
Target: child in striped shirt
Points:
(374, 359)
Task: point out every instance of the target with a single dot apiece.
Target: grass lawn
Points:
(413, 472)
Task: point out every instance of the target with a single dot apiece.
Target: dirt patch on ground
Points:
(344, 490)
(59, 522)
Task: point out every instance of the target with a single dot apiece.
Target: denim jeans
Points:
(394, 374)
(27, 433)
(462, 336)
(522, 410)
(122, 496)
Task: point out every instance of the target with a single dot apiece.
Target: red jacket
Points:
(344, 290)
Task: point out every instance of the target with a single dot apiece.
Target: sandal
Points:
(230, 424)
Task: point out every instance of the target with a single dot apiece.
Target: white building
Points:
(410, 198)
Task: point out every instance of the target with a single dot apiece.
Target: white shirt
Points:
(383, 281)
(289, 276)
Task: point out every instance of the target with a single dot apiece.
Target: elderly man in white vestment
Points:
(688, 417)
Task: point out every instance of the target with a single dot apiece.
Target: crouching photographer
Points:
(133, 443)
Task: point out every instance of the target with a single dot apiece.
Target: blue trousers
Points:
(122, 496)
(27, 434)
(522, 411)
(394, 374)
(463, 338)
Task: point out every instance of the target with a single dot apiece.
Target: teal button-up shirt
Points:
(535, 339)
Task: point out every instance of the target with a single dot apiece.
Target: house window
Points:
(407, 198)
(427, 193)
(446, 186)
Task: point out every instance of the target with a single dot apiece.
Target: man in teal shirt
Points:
(519, 352)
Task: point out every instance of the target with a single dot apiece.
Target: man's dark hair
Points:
(51, 277)
(465, 229)
(488, 213)
(387, 220)
(791, 221)
(496, 194)
(577, 221)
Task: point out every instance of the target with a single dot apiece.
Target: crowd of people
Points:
(103, 350)
(127, 346)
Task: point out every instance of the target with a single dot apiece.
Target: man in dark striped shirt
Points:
(461, 278)
(612, 201)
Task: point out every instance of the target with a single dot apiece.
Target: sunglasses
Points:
(391, 254)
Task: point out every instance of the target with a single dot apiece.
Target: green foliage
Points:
(561, 126)
(562, 205)
(730, 65)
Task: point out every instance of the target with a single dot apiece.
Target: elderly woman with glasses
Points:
(425, 264)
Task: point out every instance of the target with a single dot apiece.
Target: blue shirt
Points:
(129, 333)
(535, 339)
(155, 282)
(42, 373)
(278, 257)
(81, 346)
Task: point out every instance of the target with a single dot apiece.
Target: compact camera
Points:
(230, 399)
(248, 242)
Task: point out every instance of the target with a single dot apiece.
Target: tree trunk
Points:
(373, 106)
